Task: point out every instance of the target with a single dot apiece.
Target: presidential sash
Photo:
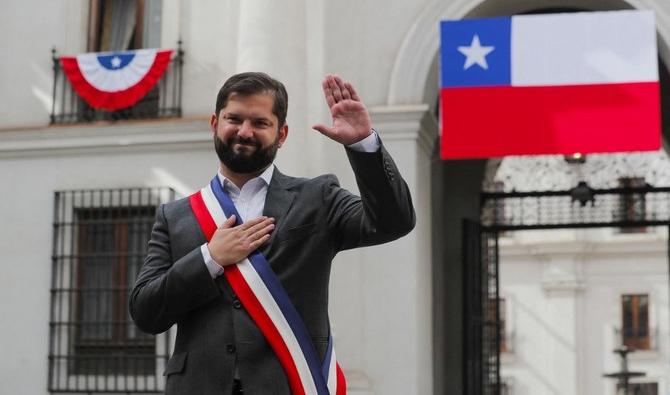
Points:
(268, 304)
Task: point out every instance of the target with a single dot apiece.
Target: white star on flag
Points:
(116, 62)
(475, 54)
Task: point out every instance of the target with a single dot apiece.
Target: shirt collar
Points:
(266, 176)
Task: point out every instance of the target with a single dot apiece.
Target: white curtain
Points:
(118, 24)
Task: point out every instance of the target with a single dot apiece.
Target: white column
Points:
(562, 284)
(398, 305)
(286, 40)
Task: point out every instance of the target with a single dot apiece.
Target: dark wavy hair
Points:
(253, 83)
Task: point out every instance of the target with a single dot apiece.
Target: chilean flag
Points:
(549, 84)
(115, 80)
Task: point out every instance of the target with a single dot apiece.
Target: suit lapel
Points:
(278, 201)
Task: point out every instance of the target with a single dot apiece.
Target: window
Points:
(635, 321)
(632, 205)
(100, 239)
(638, 389)
(120, 25)
(110, 242)
(491, 312)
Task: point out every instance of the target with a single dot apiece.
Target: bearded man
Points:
(242, 266)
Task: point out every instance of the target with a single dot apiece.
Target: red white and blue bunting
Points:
(115, 80)
(268, 304)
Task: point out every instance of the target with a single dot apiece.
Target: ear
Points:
(283, 133)
(214, 122)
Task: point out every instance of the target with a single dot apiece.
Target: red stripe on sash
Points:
(203, 216)
(341, 381)
(266, 326)
(249, 300)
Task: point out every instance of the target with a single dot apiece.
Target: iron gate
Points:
(631, 208)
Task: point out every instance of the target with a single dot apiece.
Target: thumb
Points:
(325, 130)
(229, 222)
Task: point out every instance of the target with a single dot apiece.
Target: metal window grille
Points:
(482, 325)
(580, 207)
(99, 244)
(637, 389)
(633, 205)
(163, 101)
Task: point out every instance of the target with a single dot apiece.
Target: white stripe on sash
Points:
(332, 373)
(270, 305)
(213, 206)
(265, 299)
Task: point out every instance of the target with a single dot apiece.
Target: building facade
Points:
(396, 310)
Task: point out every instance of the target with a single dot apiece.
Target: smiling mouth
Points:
(244, 146)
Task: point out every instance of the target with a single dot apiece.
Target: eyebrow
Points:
(237, 115)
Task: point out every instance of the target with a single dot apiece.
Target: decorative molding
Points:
(573, 245)
(562, 277)
(418, 50)
(562, 285)
(553, 173)
(106, 137)
(406, 123)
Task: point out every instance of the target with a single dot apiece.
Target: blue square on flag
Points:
(475, 52)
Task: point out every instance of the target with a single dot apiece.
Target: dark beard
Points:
(240, 162)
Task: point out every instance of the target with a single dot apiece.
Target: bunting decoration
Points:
(115, 80)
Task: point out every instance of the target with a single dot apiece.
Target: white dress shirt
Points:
(250, 200)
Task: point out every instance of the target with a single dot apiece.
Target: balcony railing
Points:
(163, 101)
(640, 342)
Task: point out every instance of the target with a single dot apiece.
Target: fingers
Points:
(229, 222)
(335, 90)
(342, 87)
(328, 93)
(262, 226)
(231, 244)
(352, 91)
(253, 222)
(255, 244)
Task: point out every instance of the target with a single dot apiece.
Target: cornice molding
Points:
(105, 137)
(615, 245)
(406, 123)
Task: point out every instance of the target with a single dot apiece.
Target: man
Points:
(249, 295)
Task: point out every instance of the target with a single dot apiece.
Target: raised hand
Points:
(231, 244)
(351, 121)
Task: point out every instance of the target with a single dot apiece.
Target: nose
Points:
(246, 129)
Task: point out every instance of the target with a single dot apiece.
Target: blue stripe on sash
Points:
(326, 360)
(271, 281)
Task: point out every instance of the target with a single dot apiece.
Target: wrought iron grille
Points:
(481, 311)
(163, 101)
(580, 207)
(629, 207)
(99, 244)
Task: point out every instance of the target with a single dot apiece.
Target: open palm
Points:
(351, 121)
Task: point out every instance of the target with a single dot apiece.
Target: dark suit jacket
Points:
(315, 219)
